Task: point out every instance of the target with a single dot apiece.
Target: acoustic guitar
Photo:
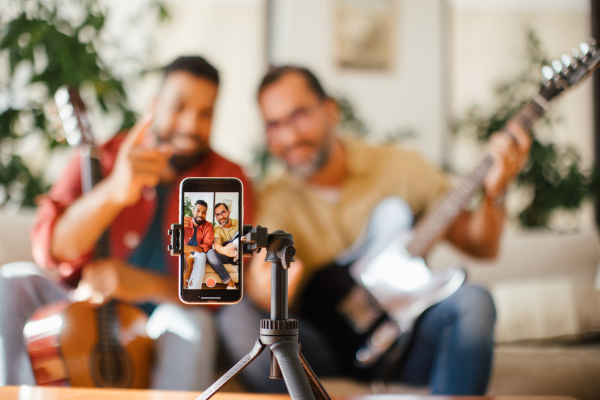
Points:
(382, 284)
(75, 343)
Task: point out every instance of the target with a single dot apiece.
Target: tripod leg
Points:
(240, 365)
(317, 388)
(287, 353)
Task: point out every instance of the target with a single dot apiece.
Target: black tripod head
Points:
(279, 244)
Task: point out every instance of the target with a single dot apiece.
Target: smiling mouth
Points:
(186, 143)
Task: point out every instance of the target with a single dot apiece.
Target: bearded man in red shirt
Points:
(136, 202)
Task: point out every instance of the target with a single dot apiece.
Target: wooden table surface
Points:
(61, 393)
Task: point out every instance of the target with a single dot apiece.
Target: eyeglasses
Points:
(222, 213)
(300, 120)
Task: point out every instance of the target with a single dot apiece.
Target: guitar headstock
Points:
(73, 116)
(569, 70)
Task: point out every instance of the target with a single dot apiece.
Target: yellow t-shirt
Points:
(324, 224)
(227, 234)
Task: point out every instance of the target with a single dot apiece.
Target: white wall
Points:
(409, 95)
(234, 197)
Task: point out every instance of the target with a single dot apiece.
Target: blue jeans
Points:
(216, 261)
(450, 352)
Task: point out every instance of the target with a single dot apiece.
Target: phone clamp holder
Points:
(278, 332)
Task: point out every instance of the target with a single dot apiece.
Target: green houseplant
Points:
(51, 48)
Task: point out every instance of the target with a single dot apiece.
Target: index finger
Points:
(138, 132)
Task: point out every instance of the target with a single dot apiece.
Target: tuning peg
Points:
(71, 131)
(576, 54)
(65, 111)
(547, 73)
(584, 48)
(593, 43)
(557, 66)
(566, 60)
(61, 97)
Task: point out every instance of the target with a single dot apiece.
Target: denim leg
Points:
(216, 260)
(186, 344)
(239, 328)
(23, 289)
(197, 275)
(452, 345)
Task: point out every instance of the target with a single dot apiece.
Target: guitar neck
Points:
(436, 222)
(91, 172)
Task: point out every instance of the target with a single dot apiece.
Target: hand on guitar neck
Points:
(478, 232)
(510, 150)
(137, 166)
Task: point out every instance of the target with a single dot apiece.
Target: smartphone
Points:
(210, 268)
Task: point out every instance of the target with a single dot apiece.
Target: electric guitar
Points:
(74, 343)
(369, 299)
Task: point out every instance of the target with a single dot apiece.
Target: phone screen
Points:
(211, 263)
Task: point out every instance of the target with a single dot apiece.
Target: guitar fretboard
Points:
(437, 221)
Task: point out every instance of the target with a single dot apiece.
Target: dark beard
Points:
(311, 167)
(226, 222)
(182, 163)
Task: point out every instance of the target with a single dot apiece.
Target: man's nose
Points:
(188, 123)
(287, 135)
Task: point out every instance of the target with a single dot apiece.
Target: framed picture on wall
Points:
(363, 30)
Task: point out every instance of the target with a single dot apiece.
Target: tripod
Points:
(278, 332)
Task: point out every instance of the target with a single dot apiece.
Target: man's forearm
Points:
(478, 233)
(80, 226)
(161, 288)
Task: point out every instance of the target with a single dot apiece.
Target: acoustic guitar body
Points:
(67, 348)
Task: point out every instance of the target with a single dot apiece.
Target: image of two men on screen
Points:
(211, 237)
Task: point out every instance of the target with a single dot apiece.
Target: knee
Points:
(475, 312)
(199, 257)
(212, 255)
(14, 275)
(474, 299)
(194, 325)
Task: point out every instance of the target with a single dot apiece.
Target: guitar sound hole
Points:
(111, 367)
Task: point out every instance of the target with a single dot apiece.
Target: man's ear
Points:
(333, 111)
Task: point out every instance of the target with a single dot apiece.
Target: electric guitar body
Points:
(368, 300)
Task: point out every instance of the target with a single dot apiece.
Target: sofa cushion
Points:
(210, 273)
(543, 283)
(15, 243)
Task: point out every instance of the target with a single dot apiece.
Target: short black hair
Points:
(202, 203)
(275, 73)
(221, 204)
(196, 66)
